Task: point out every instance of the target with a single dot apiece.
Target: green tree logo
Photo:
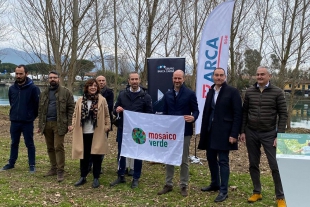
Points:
(138, 135)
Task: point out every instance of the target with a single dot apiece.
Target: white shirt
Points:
(88, 127)
(216, 93)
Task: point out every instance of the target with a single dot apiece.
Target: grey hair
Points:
(262, 66)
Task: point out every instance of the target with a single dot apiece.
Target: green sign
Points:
(293, 144)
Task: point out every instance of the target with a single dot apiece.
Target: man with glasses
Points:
(55, 116)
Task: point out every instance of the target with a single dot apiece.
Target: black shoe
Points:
(7, 167)
(81, 181)
(130, 173)
(210, 188)
(221, 197)
(120, 179)
(134, 183)
(96, 183)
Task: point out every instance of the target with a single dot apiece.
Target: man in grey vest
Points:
(55, 116)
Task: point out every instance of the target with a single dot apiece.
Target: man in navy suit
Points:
(221, 123)
(180, 101)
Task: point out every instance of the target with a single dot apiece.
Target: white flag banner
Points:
(151, 137)
(213, 52)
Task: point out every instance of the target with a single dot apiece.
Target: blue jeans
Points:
(27, 129)
(218, 161)
(122, 160)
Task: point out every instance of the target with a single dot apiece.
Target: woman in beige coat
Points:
(90, 124)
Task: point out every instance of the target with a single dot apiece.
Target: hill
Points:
(10, 55)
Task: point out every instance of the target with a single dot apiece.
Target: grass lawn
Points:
(20, 188)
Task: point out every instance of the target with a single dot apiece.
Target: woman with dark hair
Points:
(90, 124)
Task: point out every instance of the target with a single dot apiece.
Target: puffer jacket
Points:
(264, 111)
(64, 105)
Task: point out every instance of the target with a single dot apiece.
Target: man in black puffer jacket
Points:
(264, 115)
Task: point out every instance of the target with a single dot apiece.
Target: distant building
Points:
(302, 87)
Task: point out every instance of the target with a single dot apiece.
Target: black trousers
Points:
(84, 163)
(254, 141)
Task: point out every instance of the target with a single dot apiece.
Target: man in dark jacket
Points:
(135, 99)
(108, 94)
(24, 100)
(264, 115)
(221, 123)
(180, 101)
(55, 116)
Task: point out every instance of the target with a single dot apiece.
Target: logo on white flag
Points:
(147, 138)
(138, 135)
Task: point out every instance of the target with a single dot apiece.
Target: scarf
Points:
(90, 114)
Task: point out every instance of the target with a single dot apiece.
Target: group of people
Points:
(225, 120)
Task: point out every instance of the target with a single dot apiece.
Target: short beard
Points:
(53, 83)
(20, 80)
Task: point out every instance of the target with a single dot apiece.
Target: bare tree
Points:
(284, 32)
(4, 26)
(240, 28)
(303, 37)
(61, 29)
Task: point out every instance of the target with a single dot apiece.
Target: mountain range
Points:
(17, 57)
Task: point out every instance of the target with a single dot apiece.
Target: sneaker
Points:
(60, 176)
(255, 197)
(51, 172)
(32, 169)
(120, 179)
(7, 167)
(166, 189)
(281, 202)
(184, 192)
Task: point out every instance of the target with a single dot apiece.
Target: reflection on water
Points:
(301, 115)
(4, 97)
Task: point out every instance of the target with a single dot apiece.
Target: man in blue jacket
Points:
(183, 102)
(133, 98)
(221, 124)
(24, 102)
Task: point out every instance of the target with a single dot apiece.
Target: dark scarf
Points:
(90, 114)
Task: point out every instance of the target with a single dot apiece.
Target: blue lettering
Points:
(212, 43)
(210, 65)
(208, 76)
(211, 57)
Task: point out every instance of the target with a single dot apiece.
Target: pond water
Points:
(300, 115)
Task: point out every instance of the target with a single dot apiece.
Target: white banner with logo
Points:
(151, 137)
(213, 52)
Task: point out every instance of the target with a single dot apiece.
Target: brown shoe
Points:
(60, 176)
(184, 192)
(166, 189)
(255, 197)
(51, 172)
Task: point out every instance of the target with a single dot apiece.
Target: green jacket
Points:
(65, 108)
